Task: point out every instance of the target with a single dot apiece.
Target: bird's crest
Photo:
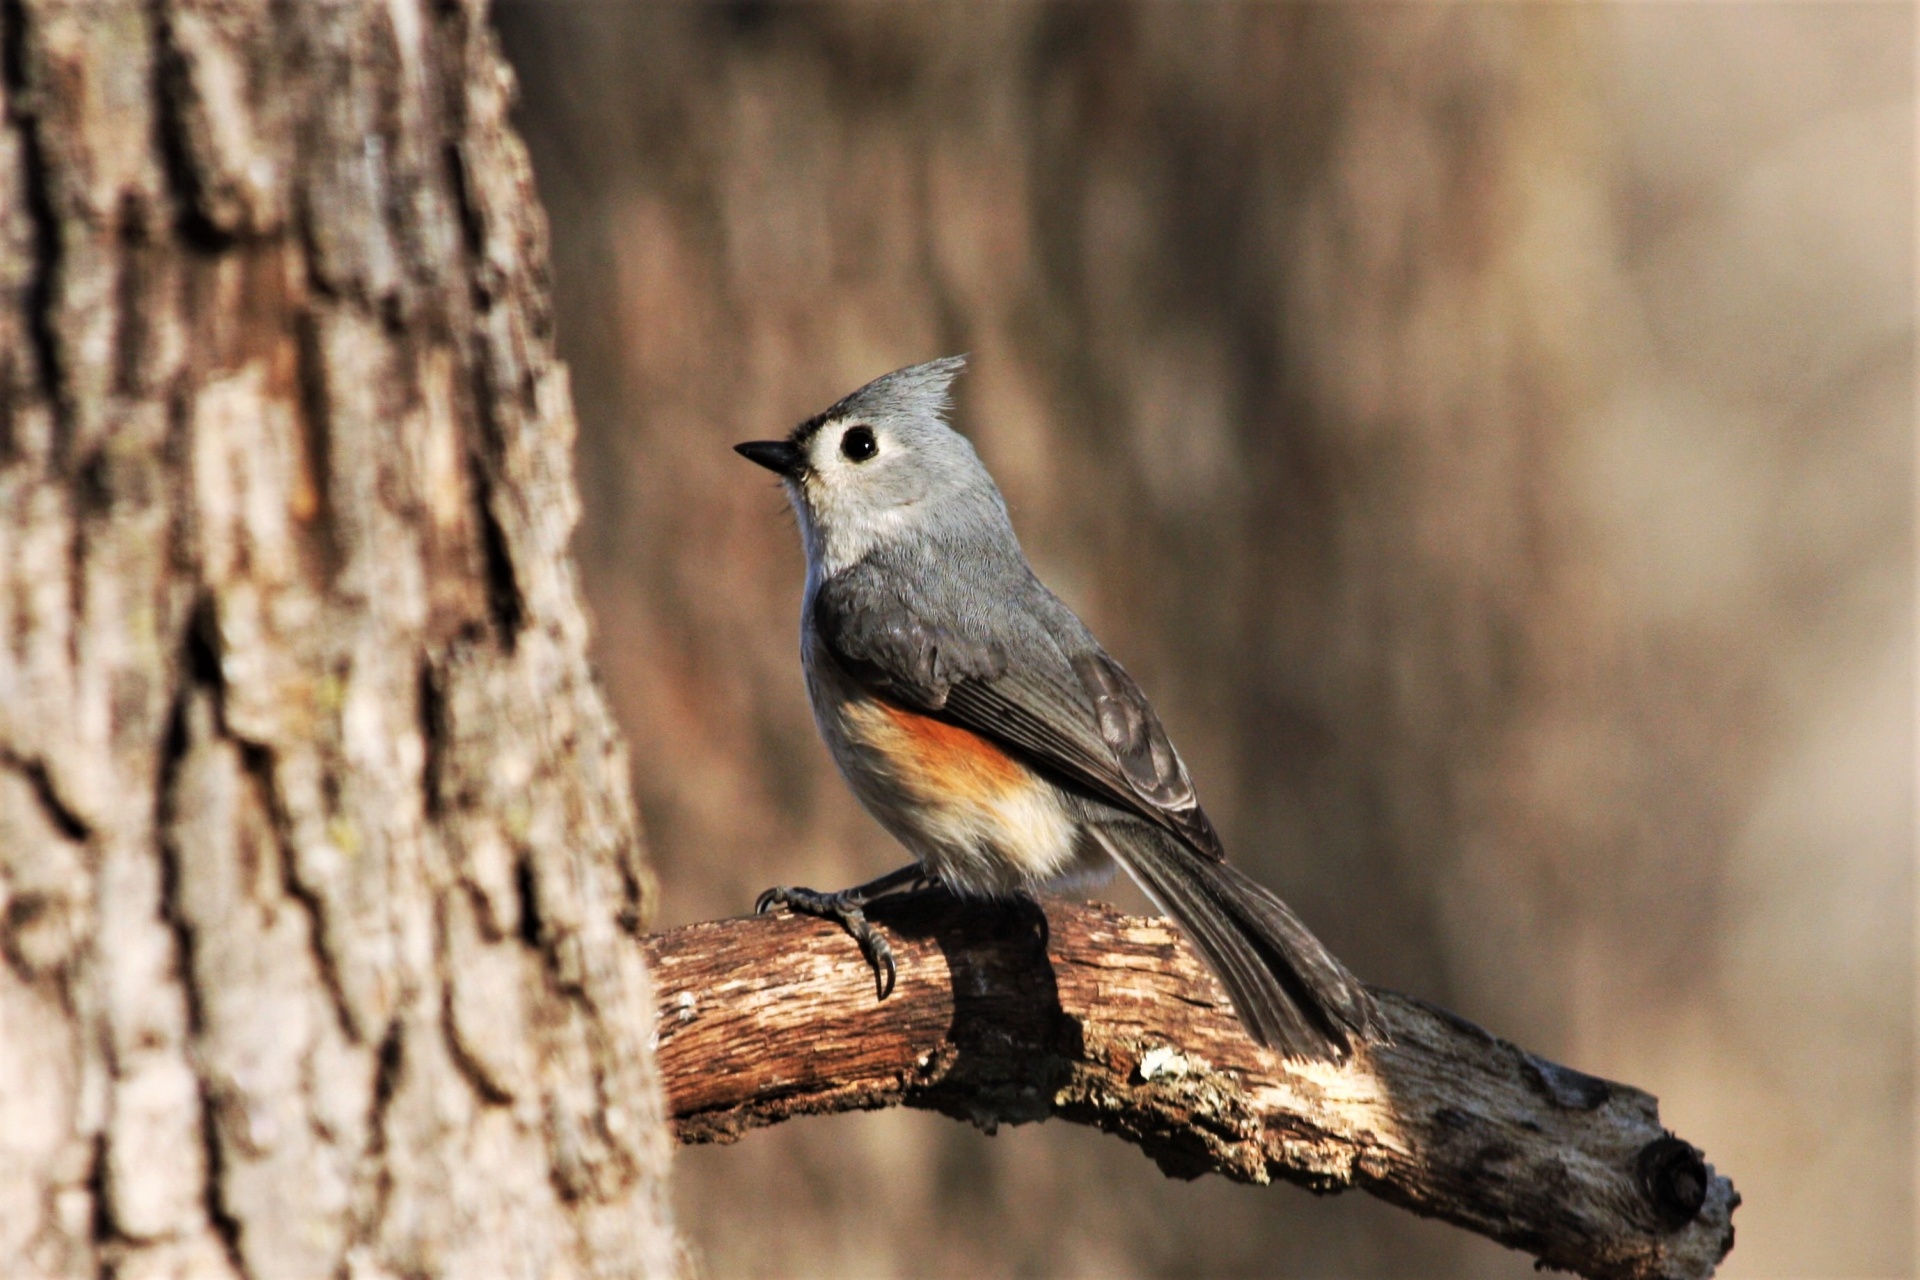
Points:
(918, 391)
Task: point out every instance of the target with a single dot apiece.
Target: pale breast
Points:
(971, 812)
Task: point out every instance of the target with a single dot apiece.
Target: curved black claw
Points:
(879, 953)
(844, 909)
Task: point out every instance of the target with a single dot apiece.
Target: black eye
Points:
(858, 444)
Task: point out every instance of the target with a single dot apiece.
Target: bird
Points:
(974, 715)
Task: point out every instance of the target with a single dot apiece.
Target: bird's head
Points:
(879, 465)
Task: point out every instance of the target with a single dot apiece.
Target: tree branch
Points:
(1113, 1022)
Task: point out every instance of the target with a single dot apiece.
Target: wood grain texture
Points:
(319, 872)
(1112, 1021)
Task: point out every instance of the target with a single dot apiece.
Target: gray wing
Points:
(1029, 678)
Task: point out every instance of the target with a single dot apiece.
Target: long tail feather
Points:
(1289, 991)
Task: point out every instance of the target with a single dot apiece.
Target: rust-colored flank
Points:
(942, 759)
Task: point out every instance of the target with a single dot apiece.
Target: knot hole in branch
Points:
(1673, 1174)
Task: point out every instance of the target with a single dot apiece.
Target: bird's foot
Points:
(844, 907)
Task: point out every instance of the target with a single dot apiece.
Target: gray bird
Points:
(976, 717)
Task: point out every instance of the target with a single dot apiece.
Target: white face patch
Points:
(857, 497)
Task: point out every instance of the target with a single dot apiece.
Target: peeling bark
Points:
(1002, 1017)
(318, 871)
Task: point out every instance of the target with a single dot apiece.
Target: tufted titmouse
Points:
(977, 718)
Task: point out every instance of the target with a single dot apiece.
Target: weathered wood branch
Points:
(1112, 1021)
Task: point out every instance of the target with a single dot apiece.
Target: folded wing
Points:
(1078, 715)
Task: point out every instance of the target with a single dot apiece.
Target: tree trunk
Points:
(318, 870)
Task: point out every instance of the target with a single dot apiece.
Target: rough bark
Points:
(318, 871)
(1111, 1021)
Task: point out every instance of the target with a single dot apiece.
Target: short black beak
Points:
(776, 456)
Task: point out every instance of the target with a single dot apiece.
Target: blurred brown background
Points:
(1486, 431)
